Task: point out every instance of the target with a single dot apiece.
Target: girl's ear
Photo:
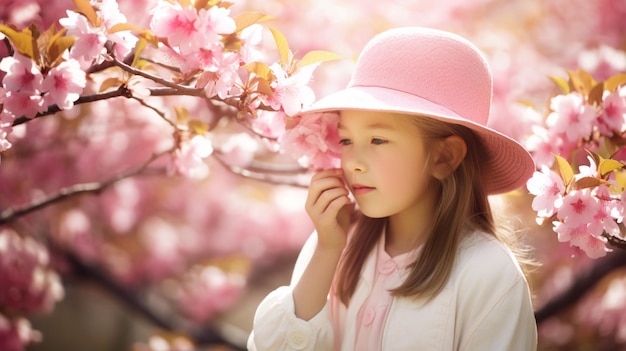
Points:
(451, 152)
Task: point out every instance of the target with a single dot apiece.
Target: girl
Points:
(419, 265)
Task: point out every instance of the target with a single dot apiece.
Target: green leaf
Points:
(247, 19)
(282, 45)
(607, 166)
(316, 56)
(23, 41)
(565, 169)
(87, 10)
(561, 84)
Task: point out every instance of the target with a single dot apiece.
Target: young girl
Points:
(419, 264)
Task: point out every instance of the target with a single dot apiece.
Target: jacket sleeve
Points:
(496, 309)
(508, 324)
(276, 326)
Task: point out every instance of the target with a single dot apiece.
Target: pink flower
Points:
(548, 188)
(64, 84)
(291, 92)
(223, 80)
(175, 23)
(578, 236)
(188, 159)
(26, 282)
(208, 290)
(314, 140)
(270, 124)
(16, 334)
(26, 104)
(251, 39)
(89, 40)
(572, 116)
(22, 74)
(612, 118)
(579, 207)
(212, 23)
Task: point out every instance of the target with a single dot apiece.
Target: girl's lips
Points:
(358, 189)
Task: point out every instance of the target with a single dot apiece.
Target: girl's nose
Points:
(353, 162)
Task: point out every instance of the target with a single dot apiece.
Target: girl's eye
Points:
(345, 142)
(377, 141)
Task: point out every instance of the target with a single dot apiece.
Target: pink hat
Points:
(428, 72)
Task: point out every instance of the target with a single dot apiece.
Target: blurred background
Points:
(159, 262)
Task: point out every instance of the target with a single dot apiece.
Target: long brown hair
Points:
(463, 204)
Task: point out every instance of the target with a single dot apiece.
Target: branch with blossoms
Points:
(580, 187)
(194, 49)
(190, 48)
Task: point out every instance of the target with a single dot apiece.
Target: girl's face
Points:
(385, 163)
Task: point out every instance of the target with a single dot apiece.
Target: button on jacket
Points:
(484, 306)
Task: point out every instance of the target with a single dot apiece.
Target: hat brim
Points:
(508, 164)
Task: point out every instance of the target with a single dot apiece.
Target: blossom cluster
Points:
(28, 286)
(586, 207)
(188, 48)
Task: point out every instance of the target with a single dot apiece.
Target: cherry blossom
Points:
(579, 207)
(291, 91)
(16, 333)
(89, 40)
(548, 188)
(24, 267)
(189, 158)
(64, 84)
(612, 117)
(314, 140)
(571, 116)
(22, 74)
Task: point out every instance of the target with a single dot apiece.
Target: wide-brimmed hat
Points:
(433, 73)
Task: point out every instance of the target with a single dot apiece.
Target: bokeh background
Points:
(159, 259)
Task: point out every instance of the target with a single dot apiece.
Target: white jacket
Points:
(485, 306)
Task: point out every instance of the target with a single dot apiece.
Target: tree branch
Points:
(131, 299)
(583, 283)
(11, 214)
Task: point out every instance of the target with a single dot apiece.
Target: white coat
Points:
(484, 306)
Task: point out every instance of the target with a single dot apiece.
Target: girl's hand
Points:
(330, 208)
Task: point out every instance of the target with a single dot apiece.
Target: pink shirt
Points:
(370, 319)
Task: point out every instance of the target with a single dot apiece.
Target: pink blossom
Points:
(572, 116)
(25, 104)
(89, 40)
(579, 207)
(28, 284)
(269, 123)
(22, 74)
(612, 118)
(188, 159)
(251, 39)
(16, 334)
(208, 290)
(224, 79)
(239, 149)
(212, 23)
(175, 23)
(291, 92)
(548, 188)
(578, 236)
(64, 84)
(314, 140)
